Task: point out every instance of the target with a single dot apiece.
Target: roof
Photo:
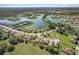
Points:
(56, 41)
(68, 51)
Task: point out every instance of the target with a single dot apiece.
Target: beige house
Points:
(42, 40)
(74, 39)
(54, 42)
(19, 35)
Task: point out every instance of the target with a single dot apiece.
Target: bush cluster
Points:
(10, 48)
(13, 40)
(3, 47)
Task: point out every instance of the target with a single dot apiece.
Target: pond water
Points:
(37, 23)
(55, 20)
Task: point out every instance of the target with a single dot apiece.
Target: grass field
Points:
(65, 40)
(27, 49)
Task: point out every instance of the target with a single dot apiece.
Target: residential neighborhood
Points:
(39, 31)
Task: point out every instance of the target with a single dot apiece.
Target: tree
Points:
(13, 40)
(1, 36)
(52, 50)
(55, 51)
(3, 47)
(19, 40)
(49, 49)
(10, 48)
(5, 36)
(41, 46)
(26, 41)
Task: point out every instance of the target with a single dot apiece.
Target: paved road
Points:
(10, 29)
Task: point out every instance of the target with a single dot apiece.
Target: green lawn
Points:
(65, 40)
(27, 49)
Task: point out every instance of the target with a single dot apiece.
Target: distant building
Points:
(77, 50)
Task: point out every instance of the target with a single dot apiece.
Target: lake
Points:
(37, 23)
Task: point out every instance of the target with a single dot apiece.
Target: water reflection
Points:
(38, 23)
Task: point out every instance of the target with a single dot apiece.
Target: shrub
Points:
(49, 48)
(13, 41)
(1, 36)
(30, 41)
(5, 37)
(20, 40)
(66, 34)
(74, 53)
(55, 51)
(3, 47)
(73, 47)
(34, 43)
(26, 41)
(52, 50)
(41, 46)
(10, 48)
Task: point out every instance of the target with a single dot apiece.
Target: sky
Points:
(39, 5)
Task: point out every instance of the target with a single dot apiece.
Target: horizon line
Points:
(39, 5)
